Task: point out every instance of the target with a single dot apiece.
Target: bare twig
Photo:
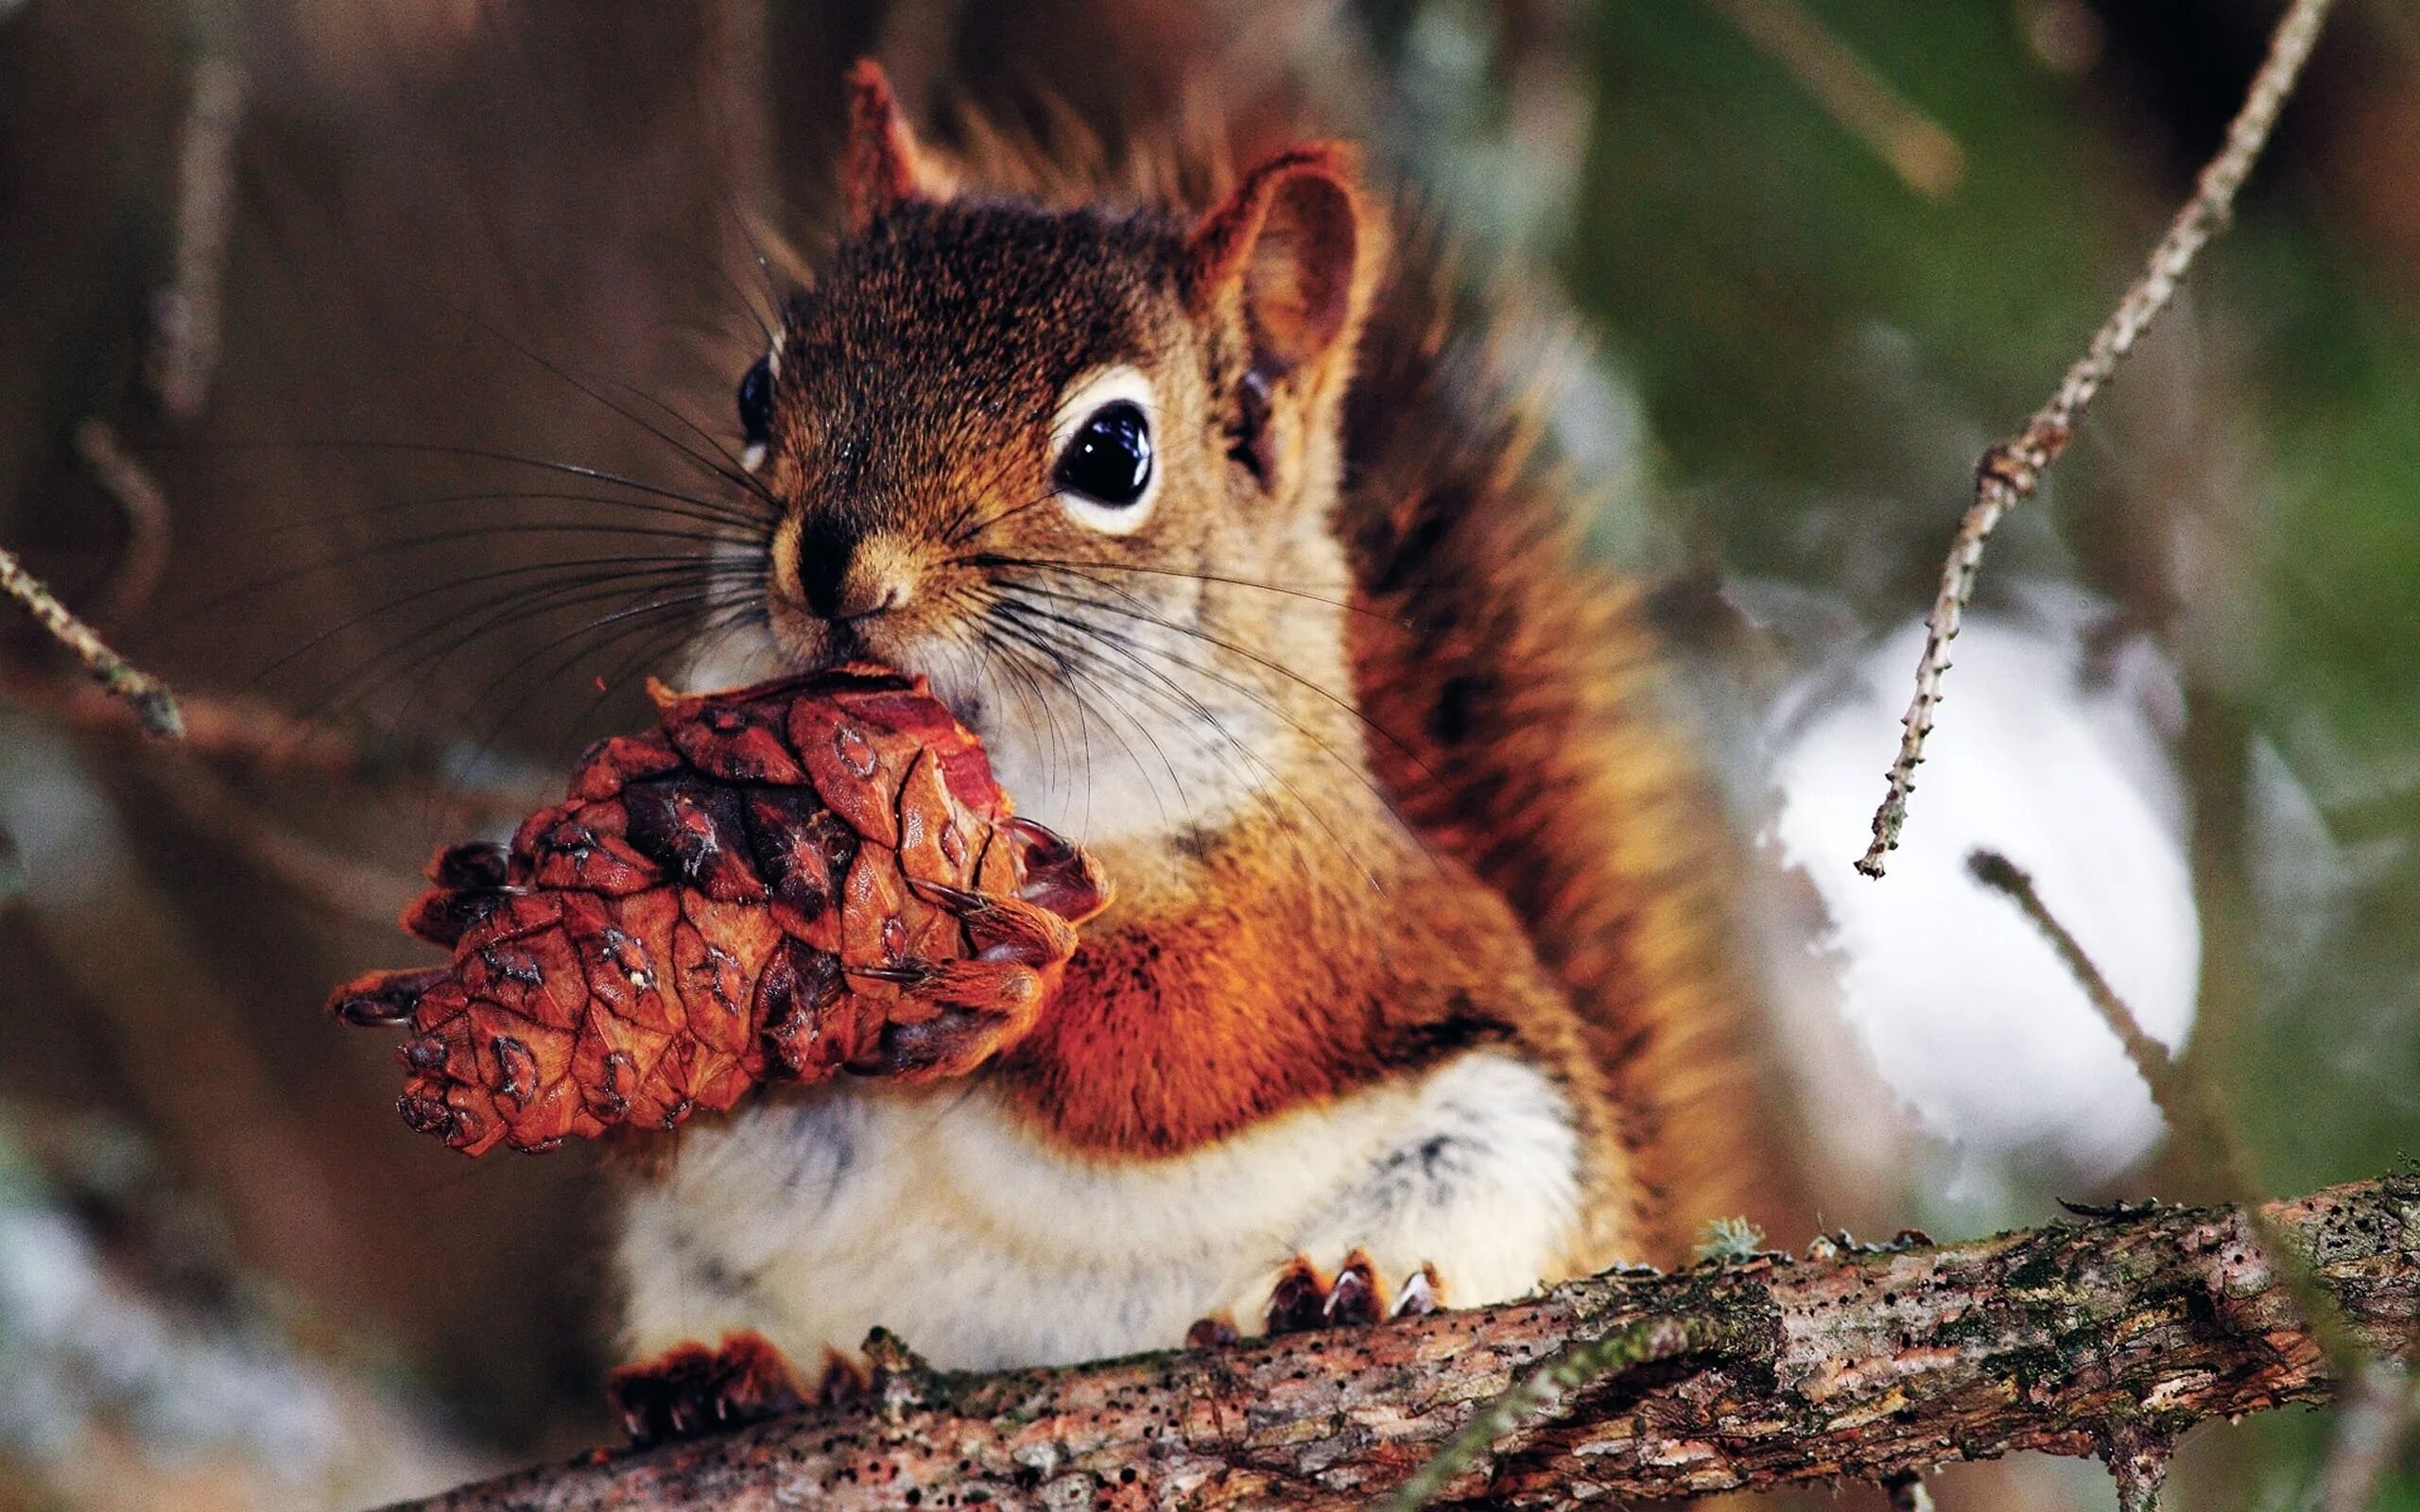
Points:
(186, 314)
(1857, 1366)
(144, 507)
(153, 704)
(2182, 1097)
(1924, 155)
(2008, 473)
(246, 735)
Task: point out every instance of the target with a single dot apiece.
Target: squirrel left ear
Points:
(1296, 238)
(882, 166)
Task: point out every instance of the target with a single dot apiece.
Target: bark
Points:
(1847, 1363)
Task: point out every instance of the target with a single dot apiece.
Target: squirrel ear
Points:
(1294, 236)
(882, 166)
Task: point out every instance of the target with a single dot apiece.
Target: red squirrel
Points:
(1220, 536)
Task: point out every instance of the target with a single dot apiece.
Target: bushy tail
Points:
(1524, 686)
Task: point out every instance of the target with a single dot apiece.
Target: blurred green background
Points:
(1818, 253)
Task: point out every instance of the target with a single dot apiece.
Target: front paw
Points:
(950, 1016)
(690, 1391)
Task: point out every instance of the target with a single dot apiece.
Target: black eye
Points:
(756, 404)
(1109, 458)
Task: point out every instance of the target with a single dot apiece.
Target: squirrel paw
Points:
(952, 1015)
(1306, 1298)
(689, 1390)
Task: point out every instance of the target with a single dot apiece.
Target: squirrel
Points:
(1219, 534)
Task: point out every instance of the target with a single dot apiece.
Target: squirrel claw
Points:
(1304, 1299)
(1216, 1331)
(1060, 875)
(1004, 929)
(383, 998)
(690, 1390)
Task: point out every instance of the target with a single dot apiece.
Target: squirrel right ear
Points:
(882, 166)
(1294, 236)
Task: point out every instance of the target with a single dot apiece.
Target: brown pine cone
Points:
(779, 883)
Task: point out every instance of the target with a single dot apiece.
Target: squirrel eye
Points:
(756, 404)
(1107, 469)
(1109, 458)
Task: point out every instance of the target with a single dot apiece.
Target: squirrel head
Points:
(1077, 465)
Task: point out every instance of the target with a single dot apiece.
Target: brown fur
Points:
(1552, 893)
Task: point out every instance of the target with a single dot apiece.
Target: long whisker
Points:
(721, 448)
(1019, 648)
(639, 569)
(990, 560)
(651, 649)
(732, 474)
(499, 610)
(1196, 706)
(736, 523)
(440, 538)
(481, 453)
(1339, 701)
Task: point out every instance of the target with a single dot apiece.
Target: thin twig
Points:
(187, 313)
(145, 510)
(257, 739)
(2185, 1102)
(1542, 1390)
(153, 704)
(1924, 155)
(2008, 473)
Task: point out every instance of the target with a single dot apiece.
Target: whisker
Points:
(640, 568)
(1016, 644)
(503, 529)
(1339, 701)
(652, 649)
(1198, 709)
(733, 474)
(735, 522)
(510, 607)
(992, 560)
(481, 453)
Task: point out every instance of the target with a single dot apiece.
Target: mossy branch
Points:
(1751, 1374)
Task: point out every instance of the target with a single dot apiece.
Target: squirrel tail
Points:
(1521, 684)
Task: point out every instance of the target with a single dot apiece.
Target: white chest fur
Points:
(935, 1214)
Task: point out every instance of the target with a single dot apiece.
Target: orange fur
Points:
(1322, 428)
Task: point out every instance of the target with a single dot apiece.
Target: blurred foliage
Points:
(1801, 350)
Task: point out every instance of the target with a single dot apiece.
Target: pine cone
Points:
(779, 883)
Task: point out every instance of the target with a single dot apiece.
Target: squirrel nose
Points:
(844, 578)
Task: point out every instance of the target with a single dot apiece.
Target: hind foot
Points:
(1307, 1298)
(689, 1390)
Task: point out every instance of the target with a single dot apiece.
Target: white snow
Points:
(1962, 1007)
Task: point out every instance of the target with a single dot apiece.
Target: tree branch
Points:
(2103, 1339)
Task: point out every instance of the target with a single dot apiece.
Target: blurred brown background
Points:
(1824, 249)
